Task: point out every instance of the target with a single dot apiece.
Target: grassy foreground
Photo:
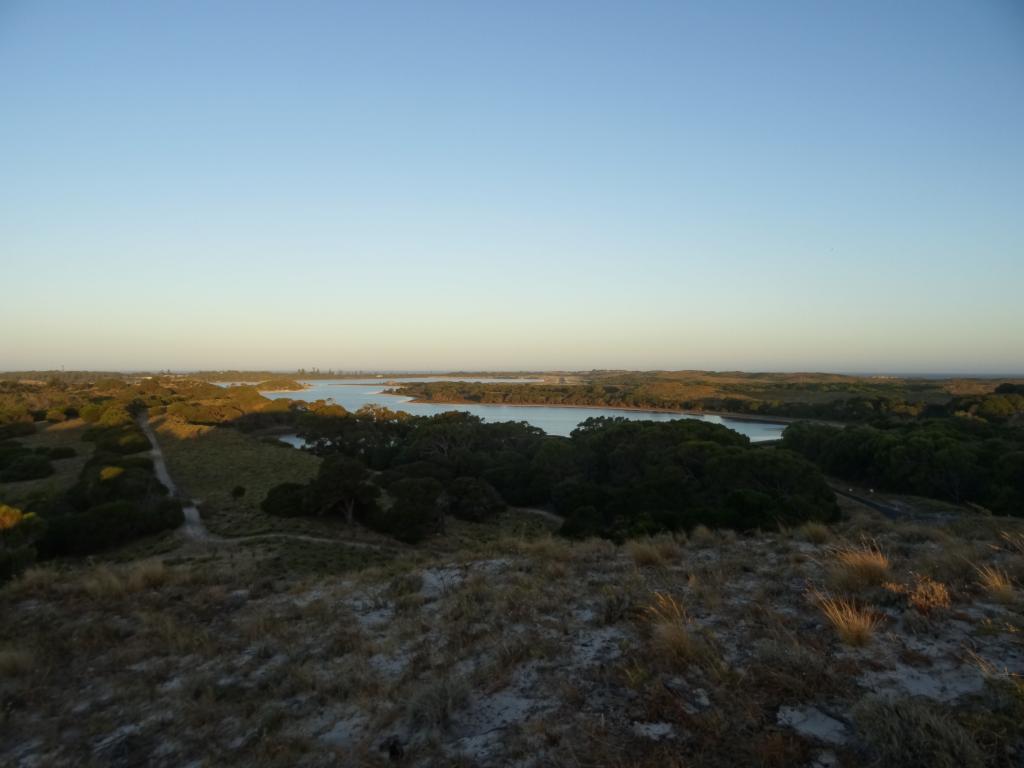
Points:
(870, 642)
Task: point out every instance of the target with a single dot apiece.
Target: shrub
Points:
(61, 452)
(286, 500)
(106, 525)
(18, 536)
(55, 414)
(238, 492)
(29, 466)
(417, 511)
(474, 499)
(128, 439)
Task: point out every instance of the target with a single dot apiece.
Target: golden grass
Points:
(926, 596)
(929, 595)
(995, 582)
(854, 625)
(856, 567)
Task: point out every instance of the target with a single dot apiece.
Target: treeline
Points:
(613, 477)
(828, 401)
(961, 460)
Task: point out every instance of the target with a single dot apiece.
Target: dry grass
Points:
(545, 548)
(35, 580)
(854, 625)
(858, 567)
(929, 595)
(653, 551)
(926, 596)
(105, 582)
(995, 582)
(1013, 542)
(815, 533)
(671, 635)
(702, 536)
(914, 734)
(594, 550)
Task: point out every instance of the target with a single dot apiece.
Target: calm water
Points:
(353, 394)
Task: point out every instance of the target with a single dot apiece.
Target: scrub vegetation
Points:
(445, 591)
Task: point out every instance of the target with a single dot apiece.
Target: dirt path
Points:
(193, 527)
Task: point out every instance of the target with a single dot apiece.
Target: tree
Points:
(474, 499)
(417, 512)
(342, 485)
(285, 500)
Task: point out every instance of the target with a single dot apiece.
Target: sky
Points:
(795, 185)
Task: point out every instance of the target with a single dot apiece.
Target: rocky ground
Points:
(870, 643)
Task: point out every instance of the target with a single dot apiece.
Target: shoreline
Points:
(722, 414)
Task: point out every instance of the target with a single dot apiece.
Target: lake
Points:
(353, 394)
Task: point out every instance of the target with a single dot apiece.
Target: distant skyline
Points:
(797, 186)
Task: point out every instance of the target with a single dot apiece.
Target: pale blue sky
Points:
(408, 185)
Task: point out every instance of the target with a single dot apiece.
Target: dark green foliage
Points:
(342, 487)
(286, 500)
(471, 498)
(61, 452)
(614, 477)
(109, 524)
(28, 465)
(238, 492)
(962, 460)
(417, 511)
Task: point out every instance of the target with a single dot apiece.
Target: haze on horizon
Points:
(462, 186)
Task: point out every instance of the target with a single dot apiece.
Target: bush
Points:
(61, 452)
(109, 524)
(417, 511)
(28, 466)
(18, 535)
(286, 500)
(129, 439)
(474, 499)
(55, 414)
(238, 492)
